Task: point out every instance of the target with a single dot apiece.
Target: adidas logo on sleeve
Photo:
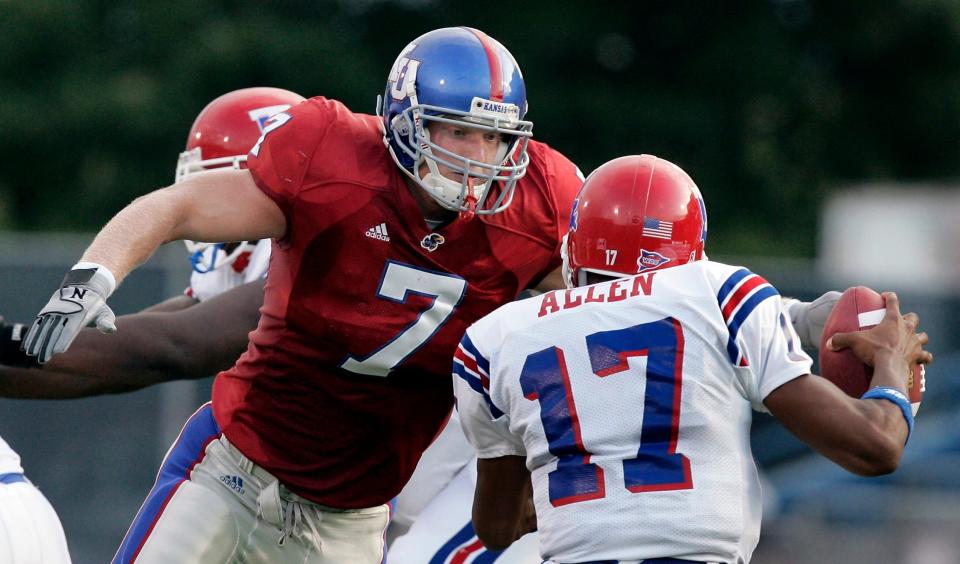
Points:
(379, 232)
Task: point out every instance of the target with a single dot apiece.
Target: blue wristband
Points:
(896, 397)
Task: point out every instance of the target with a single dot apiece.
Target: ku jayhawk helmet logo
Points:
(649, 260)
(432, 241)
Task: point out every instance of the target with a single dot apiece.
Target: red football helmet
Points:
(634, 214)
(222, 136)
(230, 126)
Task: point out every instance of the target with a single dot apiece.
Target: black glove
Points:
(11, 337)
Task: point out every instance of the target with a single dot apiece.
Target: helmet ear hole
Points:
(400, 126)
(583, 277)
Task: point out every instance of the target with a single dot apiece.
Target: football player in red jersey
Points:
(220, 136)
(376, 270)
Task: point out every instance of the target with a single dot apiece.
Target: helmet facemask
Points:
(412, 136)
(463, 77)
(191, 162)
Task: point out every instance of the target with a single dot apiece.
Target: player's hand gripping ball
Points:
(858, 309)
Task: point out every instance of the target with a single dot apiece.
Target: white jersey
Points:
(9, 459)
(253, 266)
(631, 401)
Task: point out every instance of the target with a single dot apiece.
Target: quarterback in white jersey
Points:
(629, 401)
(662, 426)
(29, 528)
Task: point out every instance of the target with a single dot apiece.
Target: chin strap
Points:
(470, 202)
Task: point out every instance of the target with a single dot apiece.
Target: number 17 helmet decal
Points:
(457, 75)
(634, 214)
(222, 136)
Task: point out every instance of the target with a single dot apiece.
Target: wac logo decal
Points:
(649, 260)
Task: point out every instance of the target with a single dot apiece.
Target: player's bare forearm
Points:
(132, 235)
(217, 206)
(152, 347)
(175, 303)
(501, 504)
(865, 437)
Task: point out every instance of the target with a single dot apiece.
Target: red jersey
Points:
(346, 379)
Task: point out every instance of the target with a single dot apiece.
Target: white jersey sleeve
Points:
(253, 266)
(485, 425)
(762, 342)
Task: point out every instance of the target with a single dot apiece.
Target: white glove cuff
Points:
(103, 280)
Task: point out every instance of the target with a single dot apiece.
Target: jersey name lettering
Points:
(618, 290)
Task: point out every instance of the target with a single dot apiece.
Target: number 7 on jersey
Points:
(399, 281)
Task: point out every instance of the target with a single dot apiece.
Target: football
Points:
(859, 308)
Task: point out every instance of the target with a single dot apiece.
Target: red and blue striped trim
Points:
(474, 369)
(496, 72)
(188, 451)
(463, 546)
(739, 295)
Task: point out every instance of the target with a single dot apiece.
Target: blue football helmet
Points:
(457, 75)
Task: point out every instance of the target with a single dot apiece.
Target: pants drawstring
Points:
(293, 520)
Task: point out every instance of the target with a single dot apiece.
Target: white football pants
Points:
(211, 505)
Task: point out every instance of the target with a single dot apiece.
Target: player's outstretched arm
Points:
(175, 303)
(153, 347)
(220, 205)
(809, 318)
(865, 436)
(503, 502)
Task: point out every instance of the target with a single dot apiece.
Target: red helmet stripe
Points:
(496, 74)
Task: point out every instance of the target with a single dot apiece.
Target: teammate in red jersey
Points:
(377, 269)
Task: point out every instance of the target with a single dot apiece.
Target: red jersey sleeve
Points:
(280, 160)
(563, 180)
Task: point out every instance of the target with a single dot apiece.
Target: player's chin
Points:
(451, 175)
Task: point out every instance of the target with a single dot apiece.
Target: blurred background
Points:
(825, 137)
